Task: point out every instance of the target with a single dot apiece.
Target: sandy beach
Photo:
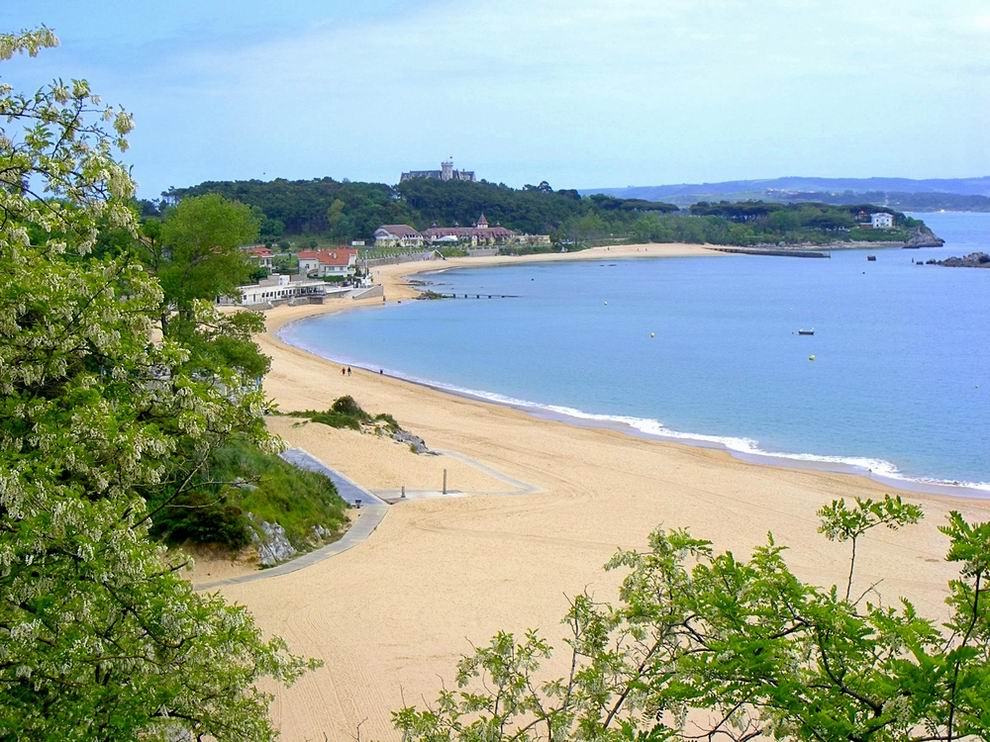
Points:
(391, 616)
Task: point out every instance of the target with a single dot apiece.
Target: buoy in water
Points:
(605, 303)
(653, 334)
(811, 358)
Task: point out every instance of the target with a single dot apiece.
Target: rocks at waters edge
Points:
(973, 260)
(923, 237)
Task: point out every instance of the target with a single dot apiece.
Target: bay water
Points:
(895, 381)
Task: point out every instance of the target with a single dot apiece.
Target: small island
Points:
(973, 260)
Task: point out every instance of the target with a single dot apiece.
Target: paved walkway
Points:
(372, 512)
(348, 489)
(518, 487)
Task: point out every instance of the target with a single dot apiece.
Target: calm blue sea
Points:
(900, 384)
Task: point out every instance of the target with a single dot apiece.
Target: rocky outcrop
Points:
(321, 533)
(417, 444)
(973, 260)
(272, 544)
(923, 237)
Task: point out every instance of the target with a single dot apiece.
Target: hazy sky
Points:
(579, 93)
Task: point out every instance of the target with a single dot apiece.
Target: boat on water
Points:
(806, 332)
(871, 258)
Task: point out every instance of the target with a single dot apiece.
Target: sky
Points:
(581, 94)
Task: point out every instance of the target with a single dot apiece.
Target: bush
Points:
(347, 406)
(250, 481)
(345, 412)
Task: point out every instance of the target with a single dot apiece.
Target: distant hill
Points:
(901, 193)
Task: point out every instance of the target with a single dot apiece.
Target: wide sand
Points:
(390, 617)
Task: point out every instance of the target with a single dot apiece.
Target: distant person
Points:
(343, 370)
(380, 371)
(348, 370)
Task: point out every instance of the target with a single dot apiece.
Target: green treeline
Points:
(344, 211)
(348, 210)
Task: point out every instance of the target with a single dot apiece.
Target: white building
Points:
(339, 262)
(263, 256)
(882, 220)
(277, 289)
(397, 235)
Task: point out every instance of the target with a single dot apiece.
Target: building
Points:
(446, 172)
(397, 235)
(480, 234)
(263, 256)
(341, 261)
(882, 220)
(278, 289)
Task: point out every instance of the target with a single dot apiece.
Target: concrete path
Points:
(372, 511)
(349, 490)
(518, 487)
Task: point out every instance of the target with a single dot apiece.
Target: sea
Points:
(893, 384)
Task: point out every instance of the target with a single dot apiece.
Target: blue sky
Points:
(582, 94)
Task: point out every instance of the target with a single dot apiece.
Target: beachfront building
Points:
(446, 172)
(278, 289)
(341, 261)
(263, 256)
(397, 235)
(882, 220)
(481, 233)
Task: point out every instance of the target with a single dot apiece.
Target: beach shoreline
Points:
(391, 616)
(398, 283)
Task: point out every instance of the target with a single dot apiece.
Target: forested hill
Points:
(352, 210)
(343, 211)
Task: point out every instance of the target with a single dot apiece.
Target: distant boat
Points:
(872, 258)
(806, 332)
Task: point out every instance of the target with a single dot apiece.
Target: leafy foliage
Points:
(100, 636)
(842, 523)
(706, 646)
(239, 479)
(345, 412)
(198, 256)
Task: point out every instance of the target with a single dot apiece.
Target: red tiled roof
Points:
(340, 256)
(259, 250)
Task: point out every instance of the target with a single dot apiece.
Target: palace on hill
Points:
(446, 172)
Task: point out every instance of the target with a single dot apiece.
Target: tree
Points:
(100, 636)
(841, 523)
(338, 225)
(271, 230)
(200, 258)
(707, 646)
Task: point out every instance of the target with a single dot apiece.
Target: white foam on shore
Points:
(746, 448)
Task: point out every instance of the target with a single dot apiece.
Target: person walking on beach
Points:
(343, 371)
(348, 370)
